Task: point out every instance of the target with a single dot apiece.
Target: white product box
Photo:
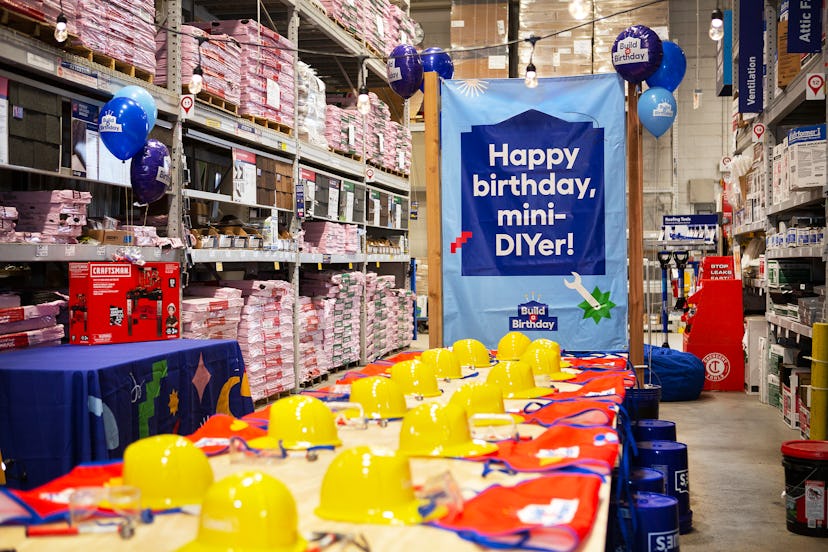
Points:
(806, 154)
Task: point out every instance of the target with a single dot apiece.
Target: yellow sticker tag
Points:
(219, 267)
(378, 264)
(318, 266)
(276, 265)
(351, 265)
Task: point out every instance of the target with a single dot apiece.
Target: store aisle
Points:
(736, 474)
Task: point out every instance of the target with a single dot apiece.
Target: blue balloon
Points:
(404, 70)
(149, 172)
(657, 110)
(123, 127)
(636, 53)
(435, 59)
(143, 98)
(671, 71)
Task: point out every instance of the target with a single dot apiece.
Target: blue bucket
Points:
(654, 430)
(657, 522)
(670, 458)
(646, 480)
(642, 402)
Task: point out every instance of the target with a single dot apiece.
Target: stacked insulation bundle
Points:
(403, 312)
(372, 24)
(211, 313)
(267, 73)
(310, 106)
(312, 361)
(377, 123)
(123, 30)
(342, 291)
(8, 216)
(266, 335)
(46, 11)
(219, 62)
(398, 158)
(345, 12)
(30, 325)
(52, 216)
(399, 28)
(343, 130)
(330, 238)
(386, 308)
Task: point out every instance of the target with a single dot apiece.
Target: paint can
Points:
(654, 430)
(641, 403)
(646, 480)
(806, 502)
(657, 522)
(670, 458)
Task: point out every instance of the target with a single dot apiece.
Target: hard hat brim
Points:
(560, 376)
(531, 393)
(518, 419)
(194, 546)
(406, 514)
(462, 450)
(271, 443)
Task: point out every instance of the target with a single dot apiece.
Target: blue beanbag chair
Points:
(681, 375)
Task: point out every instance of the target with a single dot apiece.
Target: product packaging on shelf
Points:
(806, 156)
(122, 302)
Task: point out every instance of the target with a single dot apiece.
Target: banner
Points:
(534, 214)
(724, 58)
(805, 26)
(751, 44)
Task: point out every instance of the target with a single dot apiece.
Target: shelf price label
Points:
(101, 251)
(69, 251)
(42, 251)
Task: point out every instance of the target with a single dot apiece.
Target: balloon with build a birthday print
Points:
(123, 127)
(636, 53)
(657, 110)
(150, 172)
(404, 70)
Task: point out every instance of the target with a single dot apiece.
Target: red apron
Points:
(213, 437)
(584, 411)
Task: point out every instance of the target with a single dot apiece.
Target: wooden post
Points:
(434, 211)
(635, 214)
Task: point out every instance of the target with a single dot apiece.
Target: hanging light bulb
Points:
(363, 101)
(531, 79)
(716, 31)
(196, 81)
(579, 9)
(61, 30)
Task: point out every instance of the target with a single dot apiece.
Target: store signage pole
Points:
(635, 185)
(434, 224)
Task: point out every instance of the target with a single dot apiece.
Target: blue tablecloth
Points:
(60, 406)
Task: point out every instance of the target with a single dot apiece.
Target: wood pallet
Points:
(28, 24)
(386, 169)
(111, 63)
(267, 123)
(216, 101)
(344, 27)
(318, 7)
(261, 403)
(318, 380)
(354, 156)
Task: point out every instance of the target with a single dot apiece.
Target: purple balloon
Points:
(404, 70)
(636, 53)
(150, 172)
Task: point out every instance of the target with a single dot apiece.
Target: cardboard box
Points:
(806, 157)
(788, 65)
(479, 23)
(490, 64)
(123, 303)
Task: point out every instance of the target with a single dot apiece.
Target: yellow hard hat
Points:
(516, 380)
(299, 422)
(381, 397)
(545, 344)
(440, 430)
(471, 352)
(444, 362)
(545, 362)
(248, 511)
(169, 469)
(415, 377)
(364, 485)
(481, 398)
(512, 345)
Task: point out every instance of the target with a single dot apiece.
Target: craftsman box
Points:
(122, 302)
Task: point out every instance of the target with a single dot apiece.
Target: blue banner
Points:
(751, 44)
(534, 211)
(805, 26)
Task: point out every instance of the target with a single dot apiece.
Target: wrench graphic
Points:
(579, 287)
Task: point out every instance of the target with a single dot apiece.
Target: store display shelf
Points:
(61, 175)
(241, 256)
(222, 198)
(333, 258)
(793, 98)
(795, 252)
(744, 139)
(390, 180)
(383, 258)
(368, 225)
(798, 199)
(330, 160)
(758, 226)
(685, 244)
(63, 67)
(789, 324)
(232, 126)
(35, 252)
(759, 283)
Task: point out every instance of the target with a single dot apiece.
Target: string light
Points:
(61, 30)
(578, 9)
(716, 31)
(531, 79)
(197, 79)
(363, 100)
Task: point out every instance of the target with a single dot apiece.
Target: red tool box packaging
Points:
(123, 302)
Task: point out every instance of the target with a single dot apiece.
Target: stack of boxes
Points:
(266, 335)
(274, 182)
(310, 105)
(219, 62)
(30, 325)
(399, 27)
(33, 128)
(46, 11)
(313, 362)
(330, 238)
(123, 30)
(344, 291)
(211, 313)
(345, 12)
(52, 216)
(403, 312)
(799, 162)
(8, 216)
(481, 23)
(267, 73)
(389, 312)
(377, 123)
(343, 130)
(372, 24)
(398, 158)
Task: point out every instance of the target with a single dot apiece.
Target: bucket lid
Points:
(654, 423)
(646, 473)
(654, 500)
(661, 445)
(810, 450)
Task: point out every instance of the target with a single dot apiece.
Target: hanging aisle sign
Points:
(534, 211)
(751, 45)
(804, 26)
